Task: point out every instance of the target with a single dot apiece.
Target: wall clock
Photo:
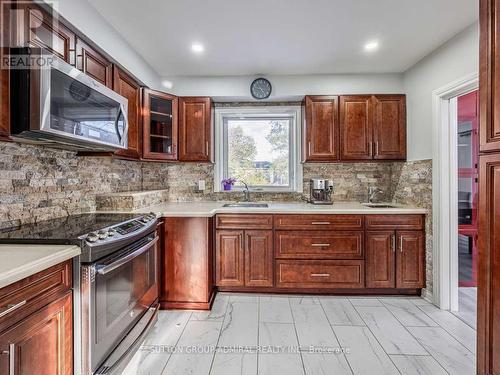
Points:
(261, 88)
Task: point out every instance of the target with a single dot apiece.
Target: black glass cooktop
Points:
(64, 230)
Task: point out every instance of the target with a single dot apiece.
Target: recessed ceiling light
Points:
(197, 47)
(371, 46)
(167, 84)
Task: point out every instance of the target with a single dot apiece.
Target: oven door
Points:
(126, 285)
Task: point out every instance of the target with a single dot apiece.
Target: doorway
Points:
(467, 115)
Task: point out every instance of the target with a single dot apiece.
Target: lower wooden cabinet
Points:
(229, 258)
(41, 344)
(330, 274)
(187, 263)
(395, 259)
(410, 260)
(36, 324)
(380, 259)
(244, 258)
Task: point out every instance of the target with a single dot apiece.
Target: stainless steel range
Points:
(115, 282)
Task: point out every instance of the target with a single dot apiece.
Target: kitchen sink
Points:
(379, 205)
(246, 205)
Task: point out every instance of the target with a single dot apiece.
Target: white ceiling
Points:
(244, 37)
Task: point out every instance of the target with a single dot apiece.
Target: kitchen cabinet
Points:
(229, 258)
(41, 344)
(129, 88)
(244, 258)
(320, 274)
(38, 28)
(488, 311)
(321, 132)
(93, 63)
(187, 280)
(36, 327)
(410, 259)
(159, 125)
(356, 127)
(389, 127)
(395, 259)
(259, 258)
(380, 259)
(195, 129)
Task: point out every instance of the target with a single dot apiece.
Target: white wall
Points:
(85, 18)
(288, 87)
(455, 59)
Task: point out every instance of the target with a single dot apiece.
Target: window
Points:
(258, 146)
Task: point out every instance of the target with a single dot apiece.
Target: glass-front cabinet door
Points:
(160, 125)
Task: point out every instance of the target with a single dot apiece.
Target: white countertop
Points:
(209, 209)
(23, 260)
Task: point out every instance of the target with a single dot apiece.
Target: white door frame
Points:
(445, 190)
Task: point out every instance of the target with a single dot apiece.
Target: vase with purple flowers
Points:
(228, 183)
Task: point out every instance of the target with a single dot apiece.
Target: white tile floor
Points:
(308, 336)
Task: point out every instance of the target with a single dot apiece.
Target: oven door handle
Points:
(103, 270)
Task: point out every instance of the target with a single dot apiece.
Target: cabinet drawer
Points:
(319, 245)
(243, 221)
(391, 222)
(318, 222)
(320, 274)
(34, 292)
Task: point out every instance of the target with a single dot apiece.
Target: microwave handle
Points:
(103, 270)
(120, 112)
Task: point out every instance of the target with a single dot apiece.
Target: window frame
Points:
(293, 113)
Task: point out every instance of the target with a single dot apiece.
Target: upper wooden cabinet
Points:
(36, 27)
(94, 63)
(389, 127)
(355, 128)
(321, 132)
(4, 73)
(195, 129)
(129, 88)
(159, 125)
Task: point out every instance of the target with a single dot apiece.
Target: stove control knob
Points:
(145, 219)
(112, 232)
(102, 234)
(92, 237)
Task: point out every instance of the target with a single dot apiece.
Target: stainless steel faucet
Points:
(372, 192)
(246, 191)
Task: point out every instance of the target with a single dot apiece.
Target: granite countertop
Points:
(209, 209)
(20, 261)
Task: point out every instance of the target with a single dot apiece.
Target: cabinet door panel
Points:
(356, 127)
(93, 63)
(5, 36)
(380, 260)
(159, 125)
(489, 265)
(259, 258)
(195, 129)
(38, 28)
(410, 259)
(127, 87)
(389, 127)
(321, 129)
(41, 344)
(229, 258)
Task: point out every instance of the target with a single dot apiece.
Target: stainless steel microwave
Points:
(55, 104)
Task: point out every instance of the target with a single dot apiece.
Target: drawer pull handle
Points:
(11, 308)
(320, 275)
(320, 244)
(320, 222)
